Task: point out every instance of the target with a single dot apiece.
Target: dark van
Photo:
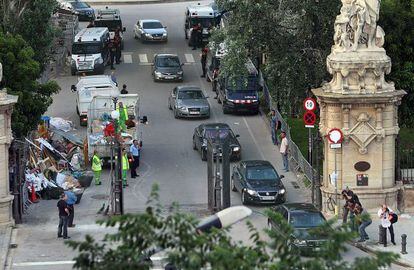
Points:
(240, 93)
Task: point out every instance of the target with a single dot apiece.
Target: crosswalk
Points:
(146, 59)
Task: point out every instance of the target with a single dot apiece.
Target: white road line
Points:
(127, 59)
(254, 138)
(43, 263)
(189, 58)
(143, 58)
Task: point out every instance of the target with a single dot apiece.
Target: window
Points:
(167, 62)
(112, 25)
(221, 133)
(86, 48)
(261, 173)
(77, 4)
(152, 25)
(302, 219)
(190, 94)
(205, 22)
(249, 83)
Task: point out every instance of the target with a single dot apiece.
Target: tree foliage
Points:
(20, 73)
(294, 35)
(175, 231)
(397, 19)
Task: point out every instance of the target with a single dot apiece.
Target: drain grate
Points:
(295, 185)
(100, 197)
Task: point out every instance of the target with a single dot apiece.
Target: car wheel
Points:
(175, 114)
(243, 198)
(225, 110)
(185, 33)
(169, 106)
(194, 144)
(203, 155)
(233, 187)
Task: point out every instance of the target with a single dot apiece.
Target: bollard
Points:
(382, 235)
(404, 244)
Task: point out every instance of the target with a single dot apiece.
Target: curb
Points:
(130, 2)
(4, 249)
(371, 250)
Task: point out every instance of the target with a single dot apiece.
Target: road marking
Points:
(254, 139)
(189, 58)
(127, 59)
(143, 58)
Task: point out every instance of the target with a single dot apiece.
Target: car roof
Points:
(214, 125)
(293, 207)
(165, 55)
(201, 10)
(90, 34)
(255, 163)
(188, 87)
(150, 20)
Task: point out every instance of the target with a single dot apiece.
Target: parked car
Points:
(188, 101)
(258, 182)
(150, 30)
(217, 132)
(304, 218)
(167, 67)
(84, 10)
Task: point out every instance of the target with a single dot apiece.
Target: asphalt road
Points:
(167, 157)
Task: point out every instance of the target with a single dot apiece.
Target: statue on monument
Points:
(357, 24)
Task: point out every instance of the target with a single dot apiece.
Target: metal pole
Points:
(120, 188)
(336, 186)
(226, 173)
(210, 176)
(317, 180)
(309, 146)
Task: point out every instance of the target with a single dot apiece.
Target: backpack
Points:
(393, 218)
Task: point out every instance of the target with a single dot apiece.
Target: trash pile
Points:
(103, 130)
(56, 162)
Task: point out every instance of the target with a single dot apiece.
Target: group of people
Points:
(361, 219)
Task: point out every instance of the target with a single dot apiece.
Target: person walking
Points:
(204, 52)
(112, 53)
(363, 219)
(274, 126)
(71, 200)
(125, 168)
(387, 217)
(134, 150)
(96, 167)
(117, 42)
(284, 147)
(63, 217)
(124, 90)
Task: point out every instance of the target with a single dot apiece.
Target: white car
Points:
(150, 30)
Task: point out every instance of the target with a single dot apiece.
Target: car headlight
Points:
(157, 73)
(164, 34)
(251, 192)
(148, 35)
(282, 191)
(236, 149)
(230, 100)
(299, 242)
(182, 108)
(99, 60)
(180, 72)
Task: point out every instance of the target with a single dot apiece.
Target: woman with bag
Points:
(388, 218)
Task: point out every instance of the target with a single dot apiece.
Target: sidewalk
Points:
(5, 237)
(127, 2)
(404, 225)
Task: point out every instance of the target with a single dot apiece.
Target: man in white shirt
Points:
(284, 146)
(384, 213)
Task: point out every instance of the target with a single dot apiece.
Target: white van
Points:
(90, 51)
(87, 88)
(200, 14)
(110, 18)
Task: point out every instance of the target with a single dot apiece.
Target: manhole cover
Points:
(100, 197)
(295, 185)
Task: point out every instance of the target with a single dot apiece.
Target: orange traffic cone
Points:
(33, 197)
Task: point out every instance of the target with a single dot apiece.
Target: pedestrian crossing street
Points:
(146, 59)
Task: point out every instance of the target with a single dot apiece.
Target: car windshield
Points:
(77, 4)
(86, 48)
(112, 25)
(249, 83)
(261, 173)
(190, 94)
(214, 133)
(303, 219)
(167, 62)
(205, 22)
(152, 25)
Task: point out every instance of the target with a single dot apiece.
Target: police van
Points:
(203, 14)
(110, 18)
(90, 51)
(239, 93)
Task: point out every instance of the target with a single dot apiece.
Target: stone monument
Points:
(6, 107)
(363, 105)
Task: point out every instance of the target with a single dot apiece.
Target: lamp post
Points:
(118, 189)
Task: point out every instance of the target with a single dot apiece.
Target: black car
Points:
(84, 10)
(217, 132)
(304, 218)
(167, 67)
(258, 182)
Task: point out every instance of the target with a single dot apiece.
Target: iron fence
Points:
(404, 167)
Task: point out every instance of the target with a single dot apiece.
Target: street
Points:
(167, 157)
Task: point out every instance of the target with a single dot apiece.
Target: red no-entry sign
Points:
(309, 118)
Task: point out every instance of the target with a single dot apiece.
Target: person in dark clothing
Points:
(70, 201)
(112, 52)
(134, 150)
(194, 36)
(117, 42)
(350, 197)
(204, 52)
(124, 90)
(63, 216)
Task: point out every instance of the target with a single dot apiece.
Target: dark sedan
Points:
(84, 10)
(304, 218)
(217, 132)
(167, 67)
(258, 182)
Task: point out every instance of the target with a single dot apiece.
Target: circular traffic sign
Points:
(335, 135)
(309, 104)
(309, 118)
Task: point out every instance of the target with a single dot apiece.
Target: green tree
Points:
(174, 231)
(21, 72)
(397, 20)
(295, 36)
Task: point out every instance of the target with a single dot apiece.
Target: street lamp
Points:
(118, 190)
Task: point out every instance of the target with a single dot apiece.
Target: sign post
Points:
(335, 137)
(309, 104)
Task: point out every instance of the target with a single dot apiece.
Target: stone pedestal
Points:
(360, 103)
(6, 106)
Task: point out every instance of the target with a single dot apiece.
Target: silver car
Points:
(188, 101)
(150, 30)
